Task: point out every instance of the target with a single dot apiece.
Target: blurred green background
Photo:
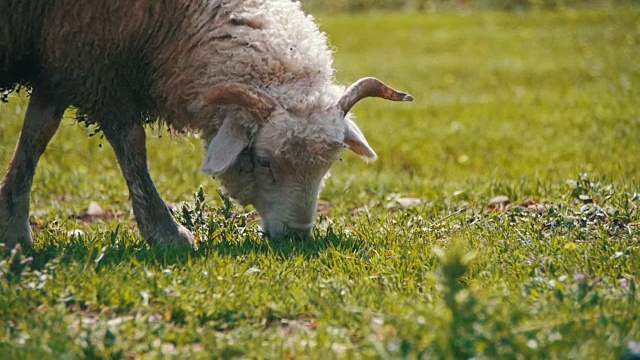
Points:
(352, 6)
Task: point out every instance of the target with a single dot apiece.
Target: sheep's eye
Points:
(263, 162)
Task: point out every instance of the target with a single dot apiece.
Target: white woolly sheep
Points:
(253, 77)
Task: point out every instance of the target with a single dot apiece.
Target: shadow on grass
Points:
(112, 248)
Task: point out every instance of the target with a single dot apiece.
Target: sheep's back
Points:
(93, 54)
(108, 57)
(20, 26)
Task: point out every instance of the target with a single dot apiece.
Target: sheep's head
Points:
(279, 168)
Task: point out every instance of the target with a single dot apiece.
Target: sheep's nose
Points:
(298, 233)
(293, 231)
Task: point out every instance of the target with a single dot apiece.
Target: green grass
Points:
(543, 108)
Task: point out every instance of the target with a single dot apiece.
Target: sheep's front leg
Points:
(41, 123)
(154, 219)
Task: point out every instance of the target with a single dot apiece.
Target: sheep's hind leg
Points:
(41, 123)
(154, 219)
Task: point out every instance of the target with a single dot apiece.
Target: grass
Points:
(411, 258)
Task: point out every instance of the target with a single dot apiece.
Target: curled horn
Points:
(256, 101)
(369, 87)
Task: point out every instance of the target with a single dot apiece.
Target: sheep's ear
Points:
(356, 141)
(224, 148)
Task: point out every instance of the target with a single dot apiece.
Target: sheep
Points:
(253, 78)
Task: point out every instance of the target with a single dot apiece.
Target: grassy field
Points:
(419, 254)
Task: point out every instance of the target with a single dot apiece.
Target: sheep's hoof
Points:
(14, 232)
(184, 237)
(175, 236)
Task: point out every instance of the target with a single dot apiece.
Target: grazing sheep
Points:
(253, 77)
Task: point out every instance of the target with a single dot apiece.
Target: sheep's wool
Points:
(274, 46)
